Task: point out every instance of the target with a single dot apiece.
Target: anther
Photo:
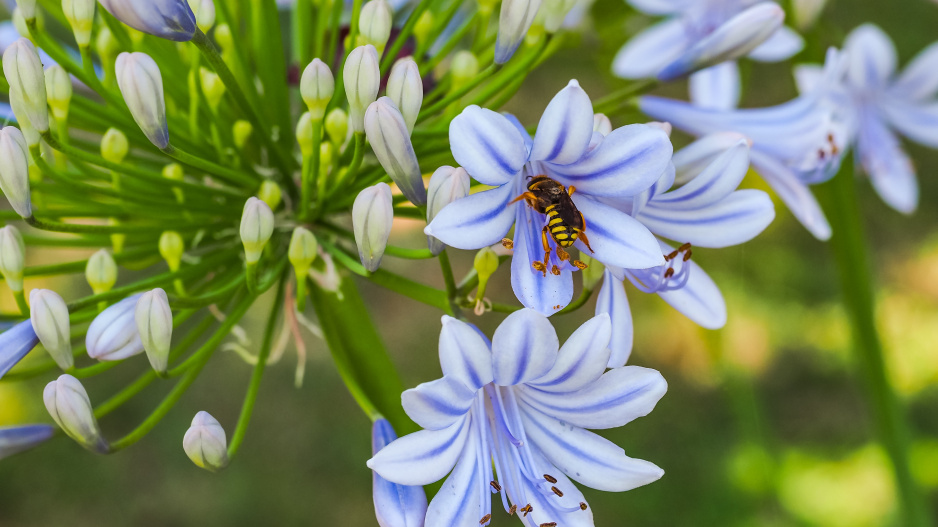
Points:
(671, 256)
(512, 510)
(557, 491)
(669, 273)
(683, 248)
(555, 271)
(582, 506)
(550, 478)
(687, 255)
(495, 486)
(579, 265)
(526, 509)
(508, 244)
(550, 524)
(485, 519)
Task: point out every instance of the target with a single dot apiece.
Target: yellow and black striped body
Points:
(562, 232)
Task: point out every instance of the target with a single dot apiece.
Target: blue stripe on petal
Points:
(395, 505)
(524, 348)
(457, 503)
(465, 353)
(736, 219)
(613, 300)
(616, 238)
(546, 294)
(794, 193)
(422, 457)
(16, 343)
(487, 145)
(565, 128)
(16, 439)
(581, 360)
(437, 404)
(476, 221)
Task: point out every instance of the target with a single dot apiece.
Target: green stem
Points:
(450, 281)
(457, 94)
(21, 302)
(614, 100)
(311, 172)
(213, 169)
(578, 303)
(390, 55)
(852, 257)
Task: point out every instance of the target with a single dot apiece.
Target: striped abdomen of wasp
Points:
(565, 223)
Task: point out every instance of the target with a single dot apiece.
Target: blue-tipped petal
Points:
(616, 238)
(528, 140)
(169, 19)
(487, 145)
(581, 360)
(395, 505)
(16, 343)
(618, 397)
(871, 57)
(422, 457)
(717, 181)
(784, 44)
(459, 500)
(717, 87)
(476, 221)
(919, 79)
(438, 404)
(796, 195)
(699, 300)
(546, 294)
(918, 122)
(465, 355)
(890, 169)
(565, 128)
(650, 51)
(736, 219)
(16, 439)
(549, 508)
(524, 348)
(693, 159)
(613, 301)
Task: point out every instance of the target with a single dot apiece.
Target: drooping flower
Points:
(169, 19)
(511, 417)
(793, 145)
(496, 151)
(205, 443)
(16, 439)
(141, 84)
(694, 25)
(395, 505)
(68, 404)
(706, 210)
(16, 343)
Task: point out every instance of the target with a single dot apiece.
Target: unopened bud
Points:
(423, 29)
(602, 124)
(270, 194)
(30, 134)
(326, 153)
(49, 317)
(806, 12)
(337, 126)
(12, 257)
(141, 84)
(390, 140)
(464, 68)
(514, 20)
(169, 19)
(242, 131)
(19, 23)
(113, 334)
(372, 215)
(101, 272)
(174, 172)
(223, 36)
(68, 404)
(23, 71)
(14, 170)
(447, 184)
(205, 443)
(204, 11)
(80, 15)
(405, 88)
(485, 264)
(27, 8)
(554, 12)
(117, 238)
(114, 146)
(302, 251)
(374, 24)
(304, 134)
(58, 91)
(154, 321)
(212, 85)
(172, 248)
(106, 44)
(362, 78)
(317, 86)
(257, 225)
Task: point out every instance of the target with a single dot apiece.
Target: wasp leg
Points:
(571, 189)
(529, 197)
(586, 241)
(562, 254)
(542, 267)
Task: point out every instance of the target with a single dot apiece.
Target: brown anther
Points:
(527, 508)
(557, 491)
(671, 256)
(669, 273)
(830, 138)
(541, 267)
(550, 524)
(821, 153)
(495, 486)
(687, 255)
(508, 244)
(579, 265)
(834, 149)
(555, 271)
(512, 510)
(485, 519)
(582, 506)
(562, 254)
(683, 248)
(550, 478)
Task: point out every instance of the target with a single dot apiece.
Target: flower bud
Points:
(12, 257)
(58, 91)
(23, 71)
(169, 19)
(113, 334)
(117, 238)
(172, 248)
(362, 78)
(16, 439)
(154, 321)
(204, 11)
(223, 36)
(70, 408)
(114, 146)
(485, 264)
(326, 153)
(464, 68)
(302, 251)
(30, 135)
(374, 24)
(405, 88)
(257, 225)
(101, 272)
(304, 134)
(395, 505)
(242, 131)
(174, 172)
(27, 8)
(372, 214)
(514, 20)
(317, 86)
(14, 170)
(593, 272)
(602, 124)
(212, 85)
(16, 343)
(337, 126)
(80, 15)
(736, 38)
(423, 29)
(807, 12)
(270, 194)
(106, 45)
(205, 443)
(387, 132)
(19, 23)
(554, 12)
(141, 84)
(49, 317)
(447, 184)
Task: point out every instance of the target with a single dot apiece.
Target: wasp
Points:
(565, 223)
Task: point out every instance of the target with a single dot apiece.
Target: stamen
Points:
(583, 506)
(495, 486)
(512, 510)
(684, 248)
(687, 255)
(527, 508)
(672, 255)
(549, 524)
(508, 244)
(669, 273)
(555, 271)
(557, 491)
(485, 519)
(550, 478)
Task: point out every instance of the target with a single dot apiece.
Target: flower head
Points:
(521, 405)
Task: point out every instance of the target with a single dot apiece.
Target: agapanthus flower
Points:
(794, 144)
(689, 23)
(510, 417)
(16, 439)
(696, 203)
(497, 151)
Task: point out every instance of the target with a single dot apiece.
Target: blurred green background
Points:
(763, 424)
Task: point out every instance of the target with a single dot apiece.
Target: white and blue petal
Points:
(395, 505)
(528, 141)
(546, 294)
(487, 145)
(616, 238)
(438, 404)
(476, 221)
(524, 348)
(16, 343)
(717, 181)
(16, 439)
(459, 500)
(581, 360)
(871, 58)
(650, 51)
(890, 169)
(918, 122)
(717, 87)
(735, 219)
(465, 355)
(422, 457)
(693, 159)
(784, 44)
(919, 80)
(794, 193)
(699, 300)
(548, 507)
(566, 127)
(613, 300)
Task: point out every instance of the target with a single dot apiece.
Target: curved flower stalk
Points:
(696, 204)
(510, 417)
(495, 150)
(693, 31)
(794, 145)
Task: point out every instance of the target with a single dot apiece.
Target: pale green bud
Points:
(423, 27)
(27, 8)
(12, 257)
(19, 23)
(593, 272)
(807, 12)
(114, 146)
(317, 86)
(464, 68)
(68, 404)
(337, 126)
(23, 71)
(257, 225)
(405, 88)
(372, 215)
(205, 443)
(118, 238)
(303, 250)
(362, 78)
(58, 91)
(374, 23)
(49, 317)
(223, 36)
(106, 44)
(101, 272)
(212, 85)
(554, 12)
(14, 170)
(30, 135)
(204, 11)
(304, 134)
(447, 184)
(270, 194)
(514, 20)
(141, 84)
(80, 15)
(485, 263)
(391, 143)
(487, 6)
(326, 153)
(154, 321)
(174, 171)
(172, 248)
(242, 131)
